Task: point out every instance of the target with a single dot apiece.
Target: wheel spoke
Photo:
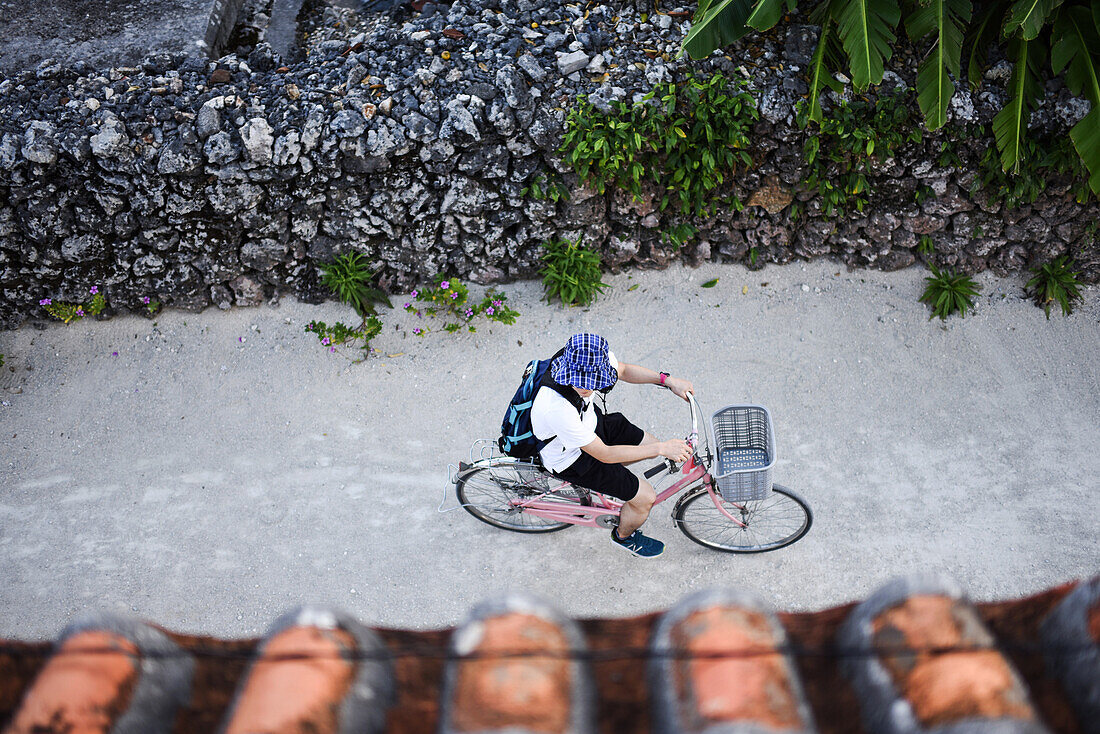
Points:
(494, 494)
(776, 521)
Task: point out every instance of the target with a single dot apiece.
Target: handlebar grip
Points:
(655, 470)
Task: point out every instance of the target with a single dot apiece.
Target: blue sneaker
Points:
(638, 544)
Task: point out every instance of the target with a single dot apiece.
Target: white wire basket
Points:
(744, 452)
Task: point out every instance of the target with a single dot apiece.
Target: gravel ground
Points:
(222, 467)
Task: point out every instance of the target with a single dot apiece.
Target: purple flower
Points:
(45, 302)
(445, 284)
(94, 289)
(490, 311)
(145, 300)
(469, 312)
(453, 295)
(496, 303)
(408, 305)
(80, 312)
(417, 330)
(414, 294)
(114, 354)
(332, 349)
(325, 341)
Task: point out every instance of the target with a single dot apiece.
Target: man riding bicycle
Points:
(589, 449)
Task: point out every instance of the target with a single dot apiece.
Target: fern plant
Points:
(1039, 37)
(571, 272)
(947, 292)
(349, 278)
(1055, 282)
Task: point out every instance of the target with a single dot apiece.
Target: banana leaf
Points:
(1010, 124)
(1086, 138)
(716, 25)
(978, 39)
(944, 20)
(1028, 17)
(821, 65)
(766, 13)
(1076, 48)
(866, 30)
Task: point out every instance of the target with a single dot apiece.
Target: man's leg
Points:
(635, 512)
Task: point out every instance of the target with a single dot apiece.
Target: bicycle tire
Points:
(772, 523)
(487, 492)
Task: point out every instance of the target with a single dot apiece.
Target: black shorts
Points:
(613, 479)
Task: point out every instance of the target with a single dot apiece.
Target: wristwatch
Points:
(664, 376)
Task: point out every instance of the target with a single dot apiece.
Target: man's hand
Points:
(680, 386)
(676, 449)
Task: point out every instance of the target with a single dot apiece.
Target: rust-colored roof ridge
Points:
(338, 672)
(703, 643)
(921, 660)
(1072, 648)
(108, 672)
(513, 669)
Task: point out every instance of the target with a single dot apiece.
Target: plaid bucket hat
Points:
(584, 363)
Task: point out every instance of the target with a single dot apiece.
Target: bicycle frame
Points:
(604, 508)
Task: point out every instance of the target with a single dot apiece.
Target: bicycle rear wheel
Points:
(773, 522)
(490, 492)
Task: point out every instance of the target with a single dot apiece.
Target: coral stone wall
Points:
(412, 140)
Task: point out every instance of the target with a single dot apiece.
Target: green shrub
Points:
(849, 143)
(1040, 39)
(687, 137)
(1055, 282)
(947, 292)
(349, 278)
(571, 272)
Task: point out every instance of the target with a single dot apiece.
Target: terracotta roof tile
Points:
(925, 660)
(317, 671)
(106, 674)
(721, 658)
(514, 671)
(1069, 634)
(915, 656)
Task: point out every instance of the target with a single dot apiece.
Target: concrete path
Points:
(223, 467)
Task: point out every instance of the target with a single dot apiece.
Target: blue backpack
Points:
(517, 438)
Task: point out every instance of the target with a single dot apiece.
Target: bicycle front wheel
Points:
(490, 494)
(776, 521)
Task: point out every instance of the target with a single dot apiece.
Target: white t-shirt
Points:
(553, 415)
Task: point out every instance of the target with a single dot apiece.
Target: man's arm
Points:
(675, 449)
(638, 375)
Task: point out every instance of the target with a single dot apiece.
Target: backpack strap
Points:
(565, 391)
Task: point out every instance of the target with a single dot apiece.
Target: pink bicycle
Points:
(729, 503)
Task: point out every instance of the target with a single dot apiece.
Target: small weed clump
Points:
(571, 272)
(687, 137)
(451, 299)
(1055, 282)
(947, 292)
(69, 312)
(340, 334)
(849, 142)
(349, 278)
